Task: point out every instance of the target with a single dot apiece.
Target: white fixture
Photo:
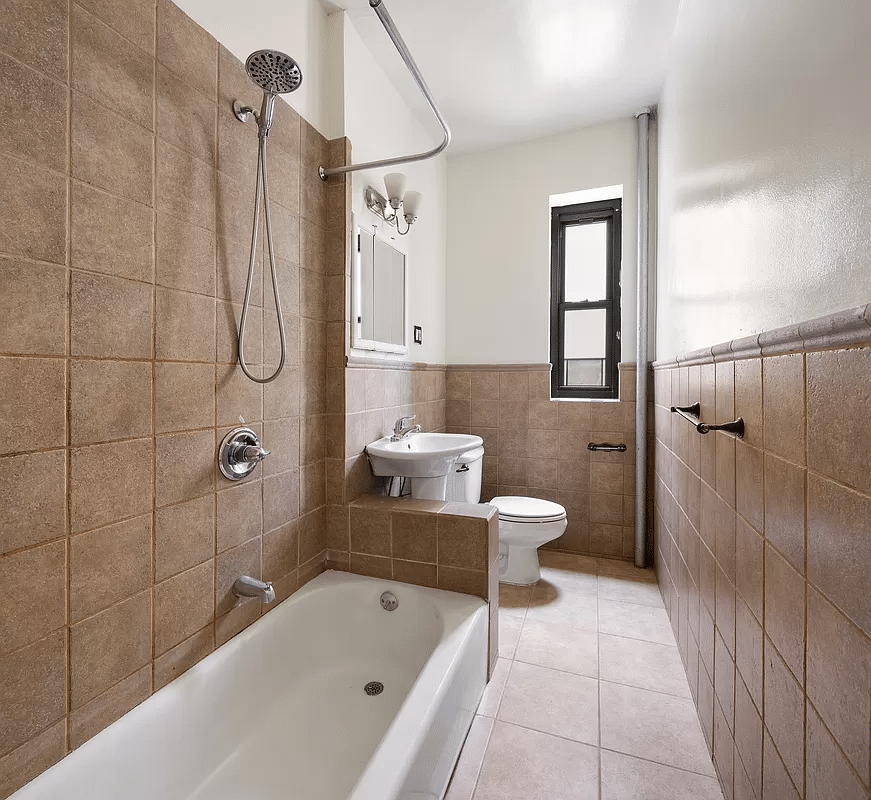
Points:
(399, 203)
(426, 458)
(525, 523)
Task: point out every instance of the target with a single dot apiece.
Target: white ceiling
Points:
(509, 70)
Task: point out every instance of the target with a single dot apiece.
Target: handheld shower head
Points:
(275, 73)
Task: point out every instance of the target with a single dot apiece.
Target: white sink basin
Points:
(419, 455)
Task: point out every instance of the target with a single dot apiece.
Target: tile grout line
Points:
(154, 21)
(68, 391)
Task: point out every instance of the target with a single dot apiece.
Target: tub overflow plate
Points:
(389, 601)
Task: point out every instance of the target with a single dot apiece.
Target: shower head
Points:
(273, 71)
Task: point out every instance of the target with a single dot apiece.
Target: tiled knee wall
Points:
(537, 447)
(125, 212)
(763, 548)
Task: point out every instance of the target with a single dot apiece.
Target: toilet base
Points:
(518, 565)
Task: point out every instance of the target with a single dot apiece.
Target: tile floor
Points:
(589, 700)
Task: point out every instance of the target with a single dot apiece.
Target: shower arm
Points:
(396, 38)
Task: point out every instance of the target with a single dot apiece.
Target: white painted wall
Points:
(296, 27)
(498, 284)
(380, 124)
(764, 175)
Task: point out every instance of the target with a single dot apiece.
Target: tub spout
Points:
(246, 586)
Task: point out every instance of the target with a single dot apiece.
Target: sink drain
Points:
(373, 688)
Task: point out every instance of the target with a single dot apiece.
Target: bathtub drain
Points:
(373, 688)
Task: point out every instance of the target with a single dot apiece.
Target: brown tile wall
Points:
(762, 550)
(537, 447)
(124, 219)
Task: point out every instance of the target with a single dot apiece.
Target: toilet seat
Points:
(527, 509)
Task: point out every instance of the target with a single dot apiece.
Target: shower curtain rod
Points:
(393, 33)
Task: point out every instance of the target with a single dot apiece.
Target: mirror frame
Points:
(358, 342)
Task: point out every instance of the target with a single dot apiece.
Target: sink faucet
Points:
(246, 586)
(400, 430)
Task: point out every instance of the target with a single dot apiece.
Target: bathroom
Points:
(736, 664)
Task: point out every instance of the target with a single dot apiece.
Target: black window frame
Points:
(608, 211)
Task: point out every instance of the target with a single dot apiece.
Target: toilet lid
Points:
(527, 509)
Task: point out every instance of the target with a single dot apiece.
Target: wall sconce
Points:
(389, 210)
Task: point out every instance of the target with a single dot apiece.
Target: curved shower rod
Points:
(395, 36)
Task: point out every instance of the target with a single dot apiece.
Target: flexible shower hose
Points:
(262, 186)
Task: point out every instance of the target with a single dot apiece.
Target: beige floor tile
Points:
(628, 590)
(465, 776)
(624, 569)
(635, 621)
(558, 646)
(628, 778)
(568, 580)
(492, 696)
(567, 562)
(552, 702)
(647, 665)
(653, 726)
(513, 600)
(557, 604)
(522, 764)
(509, 634)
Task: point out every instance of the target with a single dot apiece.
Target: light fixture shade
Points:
(411, 203)
(394, 182)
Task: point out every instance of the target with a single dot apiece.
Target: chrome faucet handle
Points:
(400, 423)
(249, 453)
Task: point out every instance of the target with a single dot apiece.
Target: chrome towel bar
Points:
(606, 447)
(693, 412)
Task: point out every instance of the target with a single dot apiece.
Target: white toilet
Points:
(525, 523)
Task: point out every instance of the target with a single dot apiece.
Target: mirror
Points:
(379, 295)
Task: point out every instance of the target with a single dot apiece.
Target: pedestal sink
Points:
(426, 458)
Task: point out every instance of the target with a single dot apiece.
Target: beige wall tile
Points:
(186, 118)
(185, 326)
(34, 595)
(133, 20)
(184, 536)
(235, 621)
(104, 65)
(485, 385)
(462, 542)
(183, 656)
(183, 605)
(784, 397)
(415, 573)
(185, 186)
(775, 778)
(123, 489)
(462, 580)
(184, 396)
(109, 400)
(34, 756)
(33, 307)
(102, 711)
(373, 566)
(748, 399)
(33, 212)
(370, 531)
(414, 536)
(185, 257)
(36, 32)
(748, 650)
(606, 478)
(28, 94)
(748, 484)
(111, 235)
(312, 487)
(837, 450)
(458, 385)
(108, 647)
(748, 565)
(32, 500)
(110, 317)
(280, 499)
(838, 676)
(828, 774)
(242, 560)
(184, 466)
(785, 509)
(725, 467)
(238, 514)
(838, 547)
(784, 714)
(32, 690)
(113, 153)
(187, 49)
(281, 551)
(32, 413)
(108, 565)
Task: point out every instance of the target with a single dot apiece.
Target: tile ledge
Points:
(847, 328)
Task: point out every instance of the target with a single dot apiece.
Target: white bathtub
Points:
(280, 710)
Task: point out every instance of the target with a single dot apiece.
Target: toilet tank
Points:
(464, 479)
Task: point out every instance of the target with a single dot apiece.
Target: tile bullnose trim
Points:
(360, 362)
(498, 367)
(848, 328)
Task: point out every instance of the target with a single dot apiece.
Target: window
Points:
(585, 300)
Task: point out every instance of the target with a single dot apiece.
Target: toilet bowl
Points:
(525, 523)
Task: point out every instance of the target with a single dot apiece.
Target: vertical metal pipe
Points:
(643, 117)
